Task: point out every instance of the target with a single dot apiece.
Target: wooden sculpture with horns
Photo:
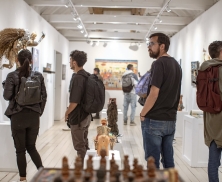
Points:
(12, 40)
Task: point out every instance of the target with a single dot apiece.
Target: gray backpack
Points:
(127, 84)
(29, 91)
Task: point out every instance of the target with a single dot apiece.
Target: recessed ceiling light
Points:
(114, 16)
(94, 22)
(85, 35)
(79, 26)
(81, 4)
(82, 31)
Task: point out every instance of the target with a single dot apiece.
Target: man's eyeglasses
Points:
(150, 44)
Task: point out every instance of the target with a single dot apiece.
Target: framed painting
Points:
(112, 70)
(194, 71)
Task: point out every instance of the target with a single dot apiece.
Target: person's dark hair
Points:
(24, 58)
(162, 39)
(79, 56)
(215, 48)
(129, 66)
(97, 69)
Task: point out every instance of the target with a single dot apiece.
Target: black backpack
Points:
(94, 96)
(29, 91)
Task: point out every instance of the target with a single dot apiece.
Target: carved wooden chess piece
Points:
(65, 168)
(89, 166)
(135, 164)
(126, 166)
(180, 106)
(103, 159)
(151, 167)
(78, 167)
(112, 142)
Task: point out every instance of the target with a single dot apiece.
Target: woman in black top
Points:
(24, 119)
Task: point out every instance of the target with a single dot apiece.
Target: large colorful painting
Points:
(112, 70)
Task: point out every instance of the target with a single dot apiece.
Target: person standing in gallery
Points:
(75, 114)
(158, 116)
(212, 122)
(96, 71)
(25, 119)
(130, 97)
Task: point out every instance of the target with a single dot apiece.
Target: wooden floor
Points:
(56, 143)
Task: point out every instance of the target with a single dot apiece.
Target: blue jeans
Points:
(129, 98)
(158, 140)
(214, 162)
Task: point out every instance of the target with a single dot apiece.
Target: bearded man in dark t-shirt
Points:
(158, 116)
(78, 119)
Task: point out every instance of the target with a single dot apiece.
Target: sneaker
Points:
(125, 123)
(20, 181)
(132, 124)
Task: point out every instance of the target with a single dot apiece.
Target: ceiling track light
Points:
(79, 26)
(97, 43)
(159, 20)
(67, 5)
(168, 9)
(76, 17)
(91, 43)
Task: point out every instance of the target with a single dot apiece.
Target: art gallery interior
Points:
(111, 30)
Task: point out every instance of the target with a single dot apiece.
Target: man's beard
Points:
(154, 54)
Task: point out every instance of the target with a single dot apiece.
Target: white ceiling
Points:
(117, 21)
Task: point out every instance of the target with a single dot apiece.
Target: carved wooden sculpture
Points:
(13, 40)
(103, 144)
(112, 114)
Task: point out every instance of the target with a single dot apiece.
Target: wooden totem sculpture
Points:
(12, 40)
(112, 114)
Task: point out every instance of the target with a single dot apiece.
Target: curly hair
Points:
(79, 56)
(215, 48)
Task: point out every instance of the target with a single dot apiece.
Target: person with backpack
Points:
(158, 116)
(209, 94)
(25, 90)
(87, 96)
(96, 71)
(129, 80)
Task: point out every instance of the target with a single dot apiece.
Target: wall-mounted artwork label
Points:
(112, 70)
(35, 59)
(194, 72)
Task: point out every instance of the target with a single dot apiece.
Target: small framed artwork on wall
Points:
(194, 71)
(35, 59)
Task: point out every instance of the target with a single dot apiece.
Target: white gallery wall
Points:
(188, 46)
(18, 14)
(114, 50)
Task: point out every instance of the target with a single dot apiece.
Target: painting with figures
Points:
(112, 70)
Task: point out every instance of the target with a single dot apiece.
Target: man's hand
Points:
(142, 117)
(66, 116)
(71, 107)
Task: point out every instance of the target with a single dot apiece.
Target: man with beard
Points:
(158, 116)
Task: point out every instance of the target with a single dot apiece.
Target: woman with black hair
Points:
(25, 119)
